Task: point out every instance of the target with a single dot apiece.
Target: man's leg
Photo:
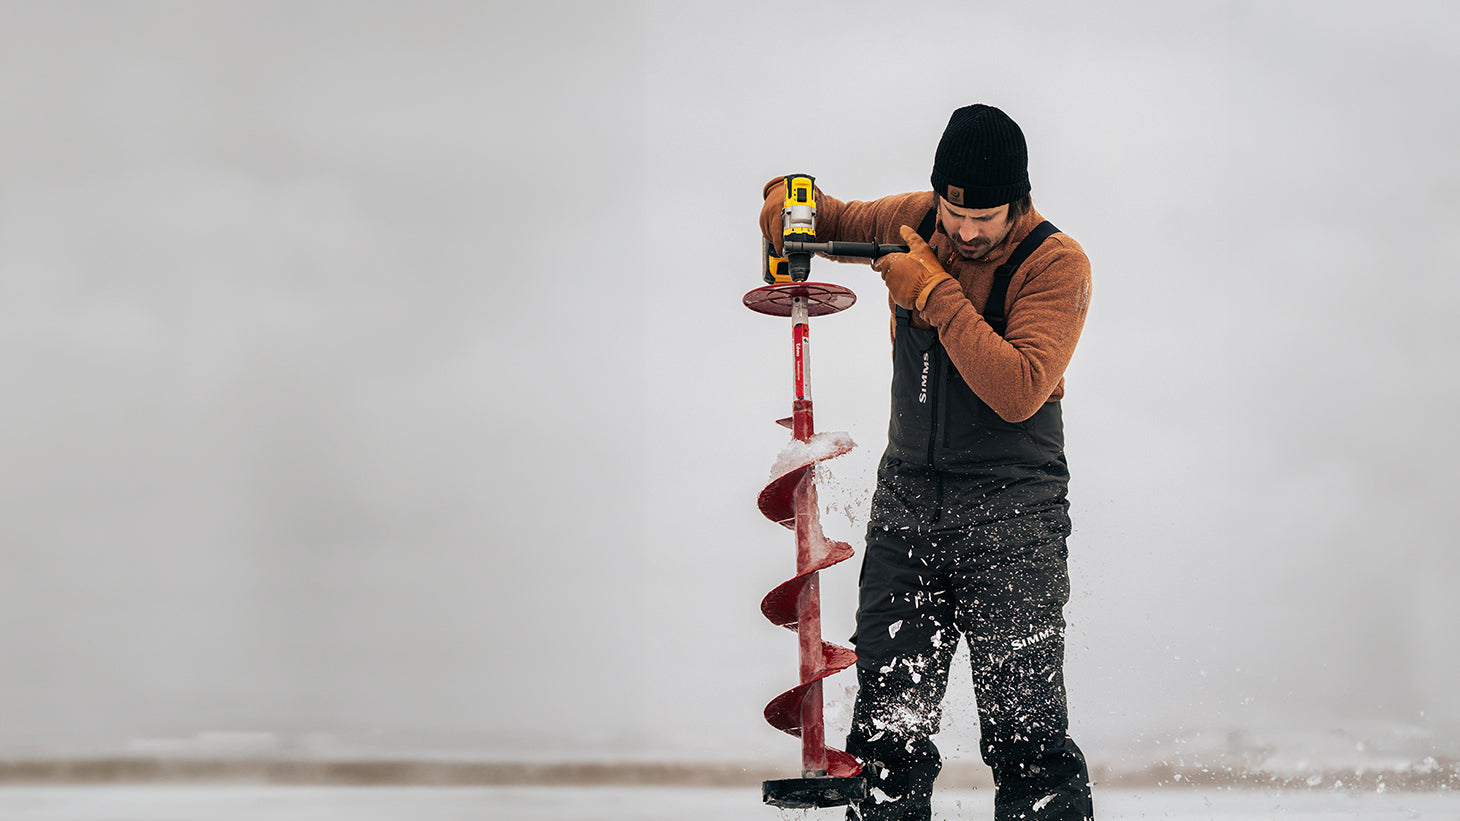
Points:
(905, 641)
(1012, 612)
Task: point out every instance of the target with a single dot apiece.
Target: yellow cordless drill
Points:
(798, 224)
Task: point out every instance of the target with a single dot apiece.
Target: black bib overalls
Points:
(966, 540)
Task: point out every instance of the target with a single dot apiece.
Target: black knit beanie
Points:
(982, 160)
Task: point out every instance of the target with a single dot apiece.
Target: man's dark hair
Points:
(1020, 207)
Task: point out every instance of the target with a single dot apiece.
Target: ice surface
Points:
(248, 803)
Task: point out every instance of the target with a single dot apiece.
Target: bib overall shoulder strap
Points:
(929, 224)
(993, 311)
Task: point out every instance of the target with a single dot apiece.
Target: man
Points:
(969, 518)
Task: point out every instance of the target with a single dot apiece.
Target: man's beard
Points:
(980, 247)
(976, 250)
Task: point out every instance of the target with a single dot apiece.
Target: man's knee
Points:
(1023, 712)
(899, 700)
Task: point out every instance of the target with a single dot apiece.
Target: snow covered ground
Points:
(248, 803)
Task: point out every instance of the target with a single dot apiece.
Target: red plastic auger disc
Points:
(822, 298)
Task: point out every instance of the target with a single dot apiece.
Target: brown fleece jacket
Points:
(1045, 305)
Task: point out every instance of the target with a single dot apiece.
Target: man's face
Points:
(973, 230)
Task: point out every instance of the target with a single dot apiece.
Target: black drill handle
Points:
(870, 250)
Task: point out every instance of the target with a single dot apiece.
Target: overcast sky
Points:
(378, 371)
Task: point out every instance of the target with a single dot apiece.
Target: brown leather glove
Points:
(912, 276)
(770, 213)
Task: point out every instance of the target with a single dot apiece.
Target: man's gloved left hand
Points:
(912, 276)
(770, 212)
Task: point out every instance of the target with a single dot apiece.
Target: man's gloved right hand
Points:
(912, 276)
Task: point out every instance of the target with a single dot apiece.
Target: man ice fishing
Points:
(970, 518)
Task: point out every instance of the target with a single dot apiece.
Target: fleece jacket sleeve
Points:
(1046, 307)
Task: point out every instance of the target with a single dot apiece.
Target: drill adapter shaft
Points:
(869, 250)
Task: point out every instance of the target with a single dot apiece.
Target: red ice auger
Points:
(829, 777)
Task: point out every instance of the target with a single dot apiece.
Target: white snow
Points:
(820, 446)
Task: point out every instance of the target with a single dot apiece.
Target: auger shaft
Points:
(802, 426)
(808, 604)
(808, 630)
